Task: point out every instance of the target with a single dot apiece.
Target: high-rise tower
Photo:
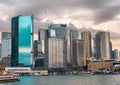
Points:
(63, 33)
(79, 54)
(86, 36)
(22, 40)
(102, 45)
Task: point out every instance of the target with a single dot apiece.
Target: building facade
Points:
(79, 57)
(102, 45)
(0, 50)
(73, 34)
(22, 40)
(35, 47)
(111, 54)
(5, 61)
(6, 47)
(63, 33)
(54, 53)
(86, 36)
(101, 65)
(5, 44)
(6, 35)
(115, 54)
(42, 35)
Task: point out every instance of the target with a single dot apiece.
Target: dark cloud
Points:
(106, 14)
(102, 10)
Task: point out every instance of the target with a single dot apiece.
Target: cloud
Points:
(109, 13)
(97, 11)
(4, 26)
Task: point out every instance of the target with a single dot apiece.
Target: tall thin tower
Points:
(86, 36)
(102, 45)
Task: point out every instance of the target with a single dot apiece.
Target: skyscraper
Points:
(6, 44)
(54, 53)
(35, 46)
(102, 45)
(79, 54)
(111, 54)
(22, 40)
(6, 35)
(6, 47)
(116, 54)
(63, 33)
(86, 36)
(0, 50)
(73, 34)
(42, 35)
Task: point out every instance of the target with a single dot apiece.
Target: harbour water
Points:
(68, 80)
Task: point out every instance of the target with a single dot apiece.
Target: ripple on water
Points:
(68, 80)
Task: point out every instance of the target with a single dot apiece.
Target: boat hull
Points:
(8, 80)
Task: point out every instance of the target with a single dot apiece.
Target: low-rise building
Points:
(5, 62)
(100, 65)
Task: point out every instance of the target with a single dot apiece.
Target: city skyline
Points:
(97, 14)
(71, 42)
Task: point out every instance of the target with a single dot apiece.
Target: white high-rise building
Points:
(5, 44)
(6, 47)
(54, 53)
(63, 33)
(6, 35)
(42, 35)
(102, 45)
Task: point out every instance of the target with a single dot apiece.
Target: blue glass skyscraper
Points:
(22, 39)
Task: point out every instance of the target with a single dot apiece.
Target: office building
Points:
(42, 35)
(22, 41)
(73, 34)
(35, 47)
(102, 45)
(86, 36)
(79, 56)
(40, 61)
(111, 54)
(0, 50)
(101, 65)
(6, 35)
(115, 54)
(5, 61)
(63, 33)
(54, 53)
(6, 47)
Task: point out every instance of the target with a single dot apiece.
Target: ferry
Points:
(8, 78)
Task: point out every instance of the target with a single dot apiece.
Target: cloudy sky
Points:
(97, 14)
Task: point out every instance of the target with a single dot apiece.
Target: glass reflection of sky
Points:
(25, 40)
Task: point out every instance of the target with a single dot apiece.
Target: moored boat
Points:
(9, 78)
